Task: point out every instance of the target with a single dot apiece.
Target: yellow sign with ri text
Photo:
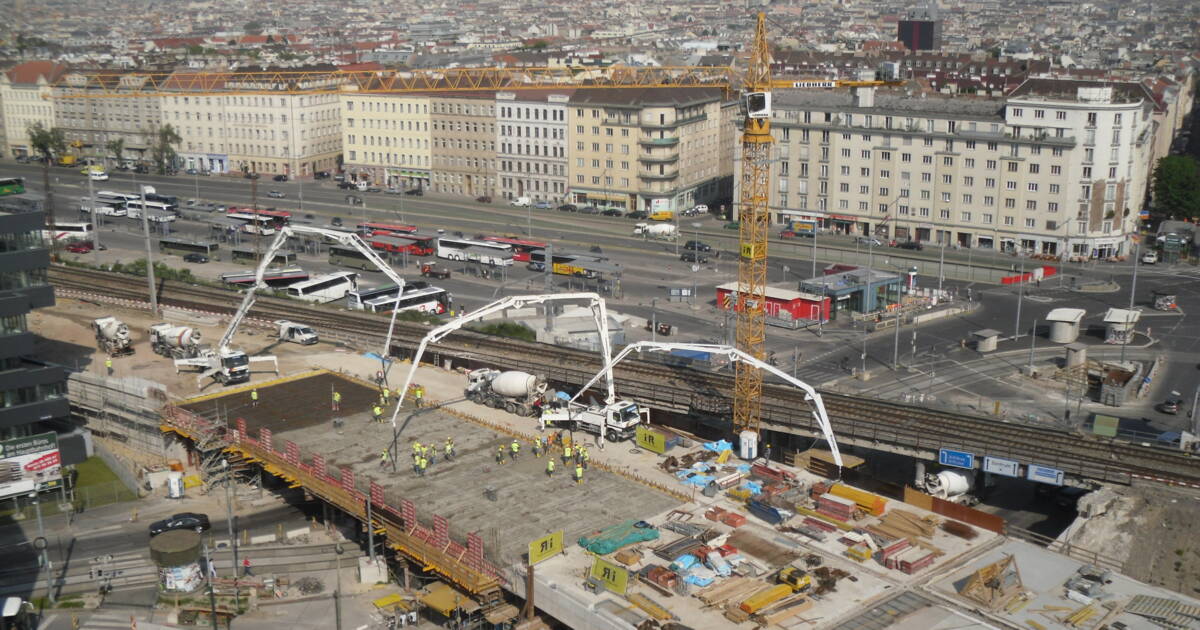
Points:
(651, 440)
(545, 547)
(613, 577)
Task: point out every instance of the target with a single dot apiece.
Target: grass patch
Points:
(93, 472)
(507, 329)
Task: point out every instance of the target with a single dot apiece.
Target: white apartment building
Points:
(92, 122)
(531, 144)
(25, 98)
(1061, 166)
(386, 138)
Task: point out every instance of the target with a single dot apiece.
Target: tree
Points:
(47, 143)
(1177, 186)
(117, 147)
(163, 150)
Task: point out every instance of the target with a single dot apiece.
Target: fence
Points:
(1069, 550)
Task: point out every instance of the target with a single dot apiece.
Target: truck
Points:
(790, 580)
(957, 486)
(296, 333)
(618, 420)
(662, 215)
(661, 231)
(112, 336)
(176, 342)
(515, 392)
(798, 227)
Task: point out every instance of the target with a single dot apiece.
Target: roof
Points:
(29, 72)
(775, 293)
(1067, 89)
(891, 101)
(648, 97)
(1121, 316)
(1069, 315)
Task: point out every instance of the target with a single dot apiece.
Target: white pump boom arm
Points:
(599, 315)
(349, 239)
(810, 394)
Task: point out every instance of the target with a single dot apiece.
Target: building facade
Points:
(25, 94)
(645, 149)
(1060, 168)
(463, 145)
(920, 30)
(531, 144)
(90, 123)
(386, 139)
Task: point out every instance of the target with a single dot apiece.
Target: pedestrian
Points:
(383, 459)
(377, 411)
(578, 474)
(550, 467)
(254, 397)
(337, 400)
(108, 365)
(246, 567)
(566, 454)
(516, 449)
(449, 448)
(500, 454)
(423, 465)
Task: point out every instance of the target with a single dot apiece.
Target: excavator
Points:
(228, 365)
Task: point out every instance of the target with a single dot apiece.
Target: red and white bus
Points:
(372, 228)
(520, 248)
(413, 244)
(268, 218)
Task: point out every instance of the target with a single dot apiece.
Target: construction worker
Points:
(578, 474)
(418, 395)
(383, 459)
(767, 454)
(566, 454)
(423, 466)
(108, 365)
(337, 400)
(516, 449)
(254, 397)
(500, 454)
(385, 394)
(377, 411)
(550, 467)
(416, 450)
(416, 464)
(537, 447)
(586, 456)
(449, 448)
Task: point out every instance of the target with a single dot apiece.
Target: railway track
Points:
(856, 420)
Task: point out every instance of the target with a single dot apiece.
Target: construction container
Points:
(859, 552)
(835, 506)
(914, 559)
(893, 549)
(733, 519)
(873, 504)
(175, 485)
(748, 445)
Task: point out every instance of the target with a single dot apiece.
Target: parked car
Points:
(866, 240)
(275, 194)
(184, 520)
(1150, 258)
(568, 207)
(415, 192)
(732, 225)
(483, 199)
(80, 247)
(914, 245)
(347, 185)
(542, 205)
(195, 258)
(700, 208)
(280, 178)
(612, 212)
(250, 175)
(321, 175)
(521, 202)
(374, 189)
(637, 214)
(697, 246)
(693, 257)
(192, 171)
(339, 178)
(22, 159)
(392, 190)
(589, 210)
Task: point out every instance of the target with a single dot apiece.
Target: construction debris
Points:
(993, 585)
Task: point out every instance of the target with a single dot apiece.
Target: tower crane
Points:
(755, 84)
(226, 364)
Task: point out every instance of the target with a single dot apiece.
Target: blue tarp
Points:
(718, 446)
(744, 469)
(617, 536)
(697, 580)
(683, 563)
(755, 487)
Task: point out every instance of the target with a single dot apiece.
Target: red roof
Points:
(29, 72)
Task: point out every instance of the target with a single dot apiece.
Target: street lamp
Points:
(337, 594)
(144, 190)
(229, 520)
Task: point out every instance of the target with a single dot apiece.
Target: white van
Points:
(521, 202)
(362, 185)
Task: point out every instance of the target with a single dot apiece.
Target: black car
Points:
(250, 175)
(195, 258)
(914, 245)
(697, 246)
(484, 199)
(612, 212)
(568, 207)
(336, 222)
(321, 175)
(374, 189)
(344, 185)
(637, 214)
(280, 178)
(693, 257)
(589, 210)
(415, 192)
(184, 520)
(275, 194)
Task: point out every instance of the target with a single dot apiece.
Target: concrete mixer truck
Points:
(660, 231)
(112, 336)
(176, 342)
(515, 392)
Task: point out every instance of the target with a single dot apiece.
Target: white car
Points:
(700, 209)
(98, 176)
(521, 202)
(1149, 258)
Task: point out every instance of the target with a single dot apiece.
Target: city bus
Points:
(155, 210)
(276, 218)
(183, 247)
(433, 300)
(371, 228)
(254, 223)
(108, 208)
(108, 196)
(350, 257)
(520, 248)
(413, 244)
(70, 231)
(272, 277)
(498, 254)
(12, 186)
(564, 264)
(251, 256)
(170, 200)
(325, 288)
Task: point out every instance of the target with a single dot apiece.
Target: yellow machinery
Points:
(791, 580)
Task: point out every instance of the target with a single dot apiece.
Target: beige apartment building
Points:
(646, 149)
(386, 138)
(1057, 167)
(25, 93)
(91, 122)
(463, 144)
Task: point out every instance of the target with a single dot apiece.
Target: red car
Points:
(81, 247)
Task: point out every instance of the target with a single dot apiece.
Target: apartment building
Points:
(531, 144)
(1060, 166)
(90, 122)
(296, 132)
(25, 93)
(645, 149)
(386, 138)
(463, 144)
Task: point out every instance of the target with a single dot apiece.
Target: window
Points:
(992, 146)
(1052, 206)
(1016, 112)
(989, 182)
(1009, 221)
(1060, 115)
(1009, 202)
(1056, 170)
(1039, 113)
(1030, 204)
(1010, 185)
(885, 155)
(1030, 223)
(865, 154)
(947, 179)
(903, 210)
(945, 197)
(885, 174)
(1085, 191)
(947, 161)
(925, 194)
(926, 177)
(927, 159)
(925, 212)
(991, 165)
(845, 153)
(844, 187)
(1087, 172)
(988, 218)
(970, 163)
(905, 157)
(864, 206)
(965, 217)
(883, 192)
(967, 198)
(1031, 187)
(864, 190)
(1012, 167)
(968, 181)
(865, 172)
(1034, 168)
(944, 213)
(845, 170)
(1054, 189)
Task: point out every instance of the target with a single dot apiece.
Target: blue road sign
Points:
(957, 459)
(1044, 474)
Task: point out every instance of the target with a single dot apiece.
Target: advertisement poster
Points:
(28, 463)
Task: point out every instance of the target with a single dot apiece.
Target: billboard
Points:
(29, 463)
